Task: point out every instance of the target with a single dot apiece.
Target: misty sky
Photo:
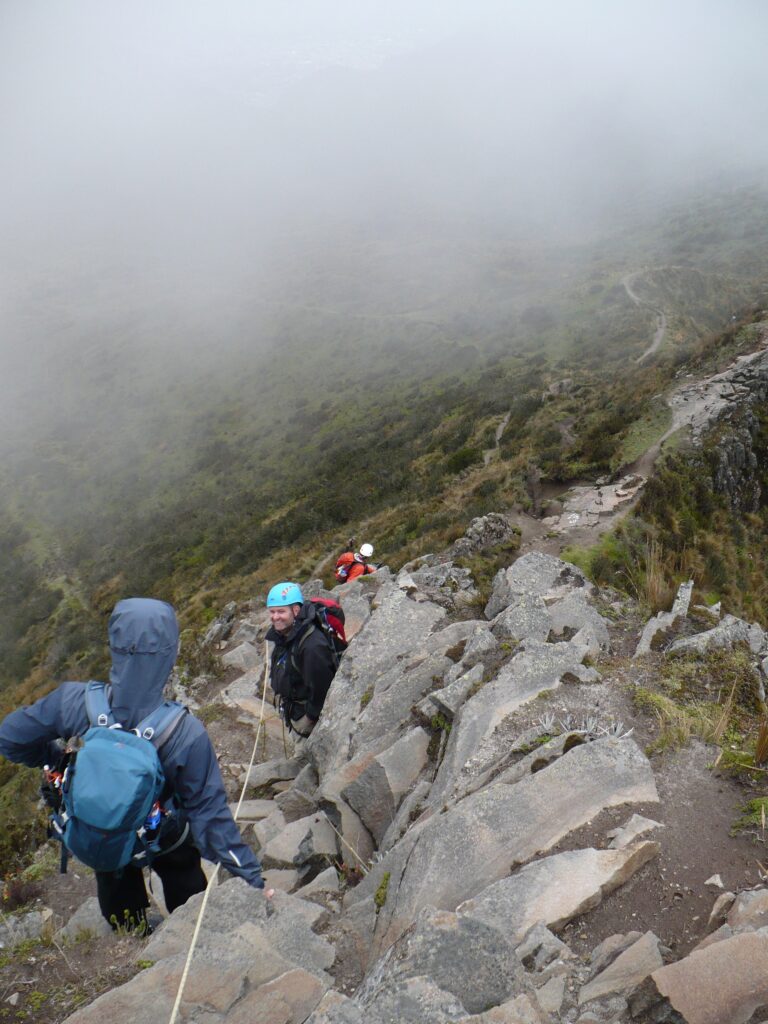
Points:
(165, 140)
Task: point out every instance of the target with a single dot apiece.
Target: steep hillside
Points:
(197, 449)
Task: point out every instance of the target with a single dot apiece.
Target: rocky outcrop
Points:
(489, 531)
(730, 632)
(727, 401)
(727, 981)
(534, 574)
(665, 620)
(556, 889)
(447, 781)
(480, 737)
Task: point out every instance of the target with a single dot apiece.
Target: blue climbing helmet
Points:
(283, 594)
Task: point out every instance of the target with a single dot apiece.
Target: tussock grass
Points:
(678, 723)
(713, 697)
(639, 569)
(761, 744)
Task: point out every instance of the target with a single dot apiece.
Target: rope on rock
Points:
(212, 880)
(365, 868)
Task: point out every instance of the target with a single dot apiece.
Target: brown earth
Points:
(45, 982)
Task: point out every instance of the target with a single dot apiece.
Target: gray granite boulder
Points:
(575, 616)
(282, 924)
(534, 573)
(443, 640)
(253, 810)
(87, 919)
(525, 617)
(477, 739)
(628, 833)
(665, 620)
(221, 627)
(414, 1001)
(378, 790)
(224, 972)
(16, 928)
(473, 961)
(448, 700)
(397, 627)
(445, 584)
(630, 968)
(336, 1008)
(540, 948)
(295, 804)
(409, 810)
(726, 982)
(307, 842)
(283, 1000)
(749, 911)
(393, 695)
(451, 857)
(488, 531)
(556, 889)
(357, 610)
(245, 656)
(267, 772)
(728, 633)
(481, 646)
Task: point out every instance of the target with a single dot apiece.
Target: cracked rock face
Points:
(434, 782)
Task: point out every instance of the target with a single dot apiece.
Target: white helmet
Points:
(366, 550)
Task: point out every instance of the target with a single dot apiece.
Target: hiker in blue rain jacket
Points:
(143, 642)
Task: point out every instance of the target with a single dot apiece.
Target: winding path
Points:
(589, 511)
(661, 318)
(490, 452)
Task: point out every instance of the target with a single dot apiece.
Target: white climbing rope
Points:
(363, 866)
(212, 879)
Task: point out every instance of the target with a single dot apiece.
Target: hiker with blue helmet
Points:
(303, 661)
(195, 818)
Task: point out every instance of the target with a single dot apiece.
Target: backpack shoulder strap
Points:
(160, 724)
(305, 636)
(326, 633)
(97, 705)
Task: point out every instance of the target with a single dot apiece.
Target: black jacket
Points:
(302, 667)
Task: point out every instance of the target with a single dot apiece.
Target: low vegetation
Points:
(684, 527)
(715, 697)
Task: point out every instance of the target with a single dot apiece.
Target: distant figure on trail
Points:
(189, 814)
(352, 564)
(308, 639)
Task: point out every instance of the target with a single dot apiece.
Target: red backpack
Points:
(334, 616)
(328, 616)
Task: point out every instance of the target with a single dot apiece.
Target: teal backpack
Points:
(111, 788)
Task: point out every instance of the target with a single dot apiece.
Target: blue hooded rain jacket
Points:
(143, 642)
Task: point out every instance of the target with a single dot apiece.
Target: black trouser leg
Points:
(181, 874)
(122, 896)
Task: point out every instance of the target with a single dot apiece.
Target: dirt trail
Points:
(490, 452)
(579, 515)
(661, 319)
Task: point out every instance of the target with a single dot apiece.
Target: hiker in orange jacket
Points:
(352, 564)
